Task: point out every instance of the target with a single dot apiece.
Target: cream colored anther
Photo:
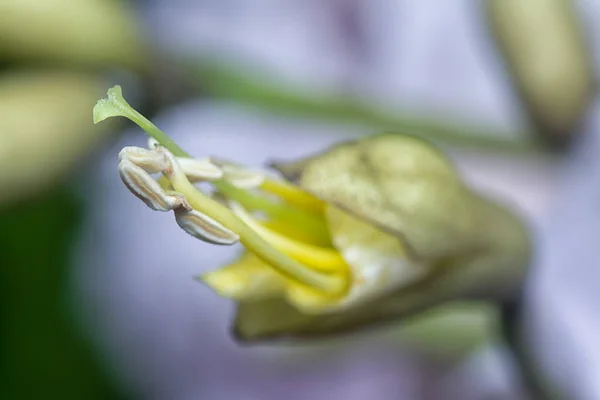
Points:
(196, 169)
(204, 228)
(241, 177)
(135, 168)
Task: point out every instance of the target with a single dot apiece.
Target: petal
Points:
(452, 329)
(267, 319)
(275, 319)
(398, 182)
(248, 278)
(378, 261)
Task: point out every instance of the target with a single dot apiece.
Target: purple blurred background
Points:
(165, 336)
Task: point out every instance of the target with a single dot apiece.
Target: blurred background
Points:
(97, 297)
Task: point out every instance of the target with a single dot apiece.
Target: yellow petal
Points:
(265, 319)
(248, 278)
(309, 301)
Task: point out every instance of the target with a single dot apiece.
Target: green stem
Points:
(259, 91)
(510, 325)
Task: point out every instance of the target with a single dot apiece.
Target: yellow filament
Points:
(164, 183)
(255, 243)
(293, 195)
(319, 258)
(310, 222)
(294, 232)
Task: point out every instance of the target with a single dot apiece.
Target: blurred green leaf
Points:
(42, 354)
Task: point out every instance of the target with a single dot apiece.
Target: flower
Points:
(38, 154)
(369, 231)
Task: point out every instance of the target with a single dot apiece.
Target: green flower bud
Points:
(463, 245)
(548, 60)
(91, 32)
(44, 129)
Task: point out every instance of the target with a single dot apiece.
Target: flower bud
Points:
(44, 129)
(467, 246)
(548, 60)
(91, 32)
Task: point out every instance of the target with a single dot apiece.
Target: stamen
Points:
(200, 169)
(287, 229)
(164, 183)
(249, 238)
(115, 105)
(319, 258)
(293, 195)
(242, 178)
(136, 178)
(204, 228)
(312, 224)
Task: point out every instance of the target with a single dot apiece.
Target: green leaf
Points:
(43, 355)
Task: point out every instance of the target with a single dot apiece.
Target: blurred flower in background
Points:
(55, 59)
(98, 296)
